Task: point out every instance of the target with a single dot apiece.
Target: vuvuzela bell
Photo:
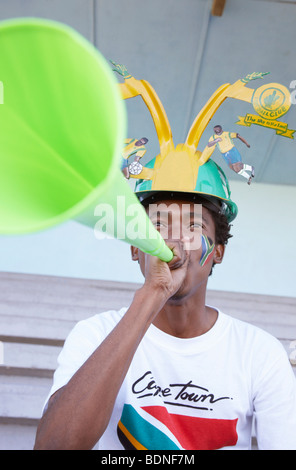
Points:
(63, 124)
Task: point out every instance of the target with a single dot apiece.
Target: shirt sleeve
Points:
(232, 134)
(275, 403)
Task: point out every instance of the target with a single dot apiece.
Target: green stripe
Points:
(144, 432)
(209, 250)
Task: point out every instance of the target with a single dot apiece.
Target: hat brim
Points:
(213, 203)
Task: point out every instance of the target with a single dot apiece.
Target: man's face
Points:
(218, 130)
(182, 220)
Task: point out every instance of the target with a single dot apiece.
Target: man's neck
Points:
(186, 317)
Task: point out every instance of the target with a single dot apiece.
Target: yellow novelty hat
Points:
(184, 169)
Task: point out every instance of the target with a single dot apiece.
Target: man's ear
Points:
(135, 253)
(219, 253)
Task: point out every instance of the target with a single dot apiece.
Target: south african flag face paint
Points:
(207, 250)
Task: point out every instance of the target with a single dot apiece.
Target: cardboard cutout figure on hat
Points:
(224, 141)
(134, 148)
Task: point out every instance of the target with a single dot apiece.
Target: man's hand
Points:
(167, 278)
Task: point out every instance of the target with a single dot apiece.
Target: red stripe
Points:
(197, 433)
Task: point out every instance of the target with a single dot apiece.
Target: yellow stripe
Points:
(127, 434)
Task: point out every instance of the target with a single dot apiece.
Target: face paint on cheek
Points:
(207, 251)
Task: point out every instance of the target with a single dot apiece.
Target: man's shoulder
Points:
(106, 317)
(255, 336)
(100, 323)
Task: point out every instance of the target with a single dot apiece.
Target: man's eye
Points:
(195, 225)
(158, 224)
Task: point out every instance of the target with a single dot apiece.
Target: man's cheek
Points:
(207, 250)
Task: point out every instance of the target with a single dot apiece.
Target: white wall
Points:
(260, 258)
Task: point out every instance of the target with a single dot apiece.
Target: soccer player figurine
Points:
(230, 153)
(137, 149)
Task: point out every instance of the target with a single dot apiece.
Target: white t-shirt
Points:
(197, 393)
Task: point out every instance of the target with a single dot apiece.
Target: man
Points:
(171, 372)
(230, 153)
